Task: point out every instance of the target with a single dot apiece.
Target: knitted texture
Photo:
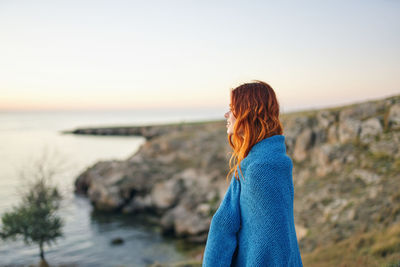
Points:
(254, 223)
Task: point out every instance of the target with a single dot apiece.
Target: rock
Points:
(100, 184)
(370, 128)
(325, 118)
(93, 174)
(184, 222)
(191, 226)
(394, 117)
(361, 111)
(349, 129)
(386, 147)
(322, 154)
(117, 241)
(374, 191)
(367, 176)
(105, 198)
(320, 136)
(333, 209)
(303, 143)
(204, 209)
(350, 214)
(167, 222)
(138, 204)
(165, 193)
(293, 128)
(301, 176)
(350, 158)
(333, 134)
(189, 177)
(327, 158)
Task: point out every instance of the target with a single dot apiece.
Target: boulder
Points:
(166, 193)
(303, 143)
(349, 129)
(370, 129)
(105, 198)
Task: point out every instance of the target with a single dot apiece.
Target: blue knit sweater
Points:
(254, 223)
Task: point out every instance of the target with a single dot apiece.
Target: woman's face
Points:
(230, 121)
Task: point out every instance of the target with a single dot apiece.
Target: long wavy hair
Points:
(256, 110)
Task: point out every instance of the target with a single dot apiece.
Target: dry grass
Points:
(377, 248)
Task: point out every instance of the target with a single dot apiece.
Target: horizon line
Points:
(163, 108)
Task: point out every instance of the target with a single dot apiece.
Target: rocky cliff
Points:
(346, 174)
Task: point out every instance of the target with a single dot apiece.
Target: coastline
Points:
(339, 153)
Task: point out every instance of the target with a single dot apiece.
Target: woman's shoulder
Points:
(268, 170)
(267, 161)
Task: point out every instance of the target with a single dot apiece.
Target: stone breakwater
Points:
(147, 131)
(346, 173)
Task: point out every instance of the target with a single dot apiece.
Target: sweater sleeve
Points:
(222, 240)
(266, 198)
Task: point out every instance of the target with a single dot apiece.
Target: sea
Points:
(30, 139)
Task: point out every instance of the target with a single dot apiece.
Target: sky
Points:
(190, 54)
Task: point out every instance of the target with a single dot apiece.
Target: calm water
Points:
(26, 136)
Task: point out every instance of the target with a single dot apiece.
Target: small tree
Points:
(35, 219)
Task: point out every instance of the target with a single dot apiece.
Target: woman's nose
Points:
(226, 115)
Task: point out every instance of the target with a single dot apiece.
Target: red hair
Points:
(256, 109)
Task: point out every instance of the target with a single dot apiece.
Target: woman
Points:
(254, 223)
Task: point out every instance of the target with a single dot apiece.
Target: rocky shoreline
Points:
(346, 173)
(175, 176)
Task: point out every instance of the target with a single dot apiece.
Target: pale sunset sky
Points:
(147, 54)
